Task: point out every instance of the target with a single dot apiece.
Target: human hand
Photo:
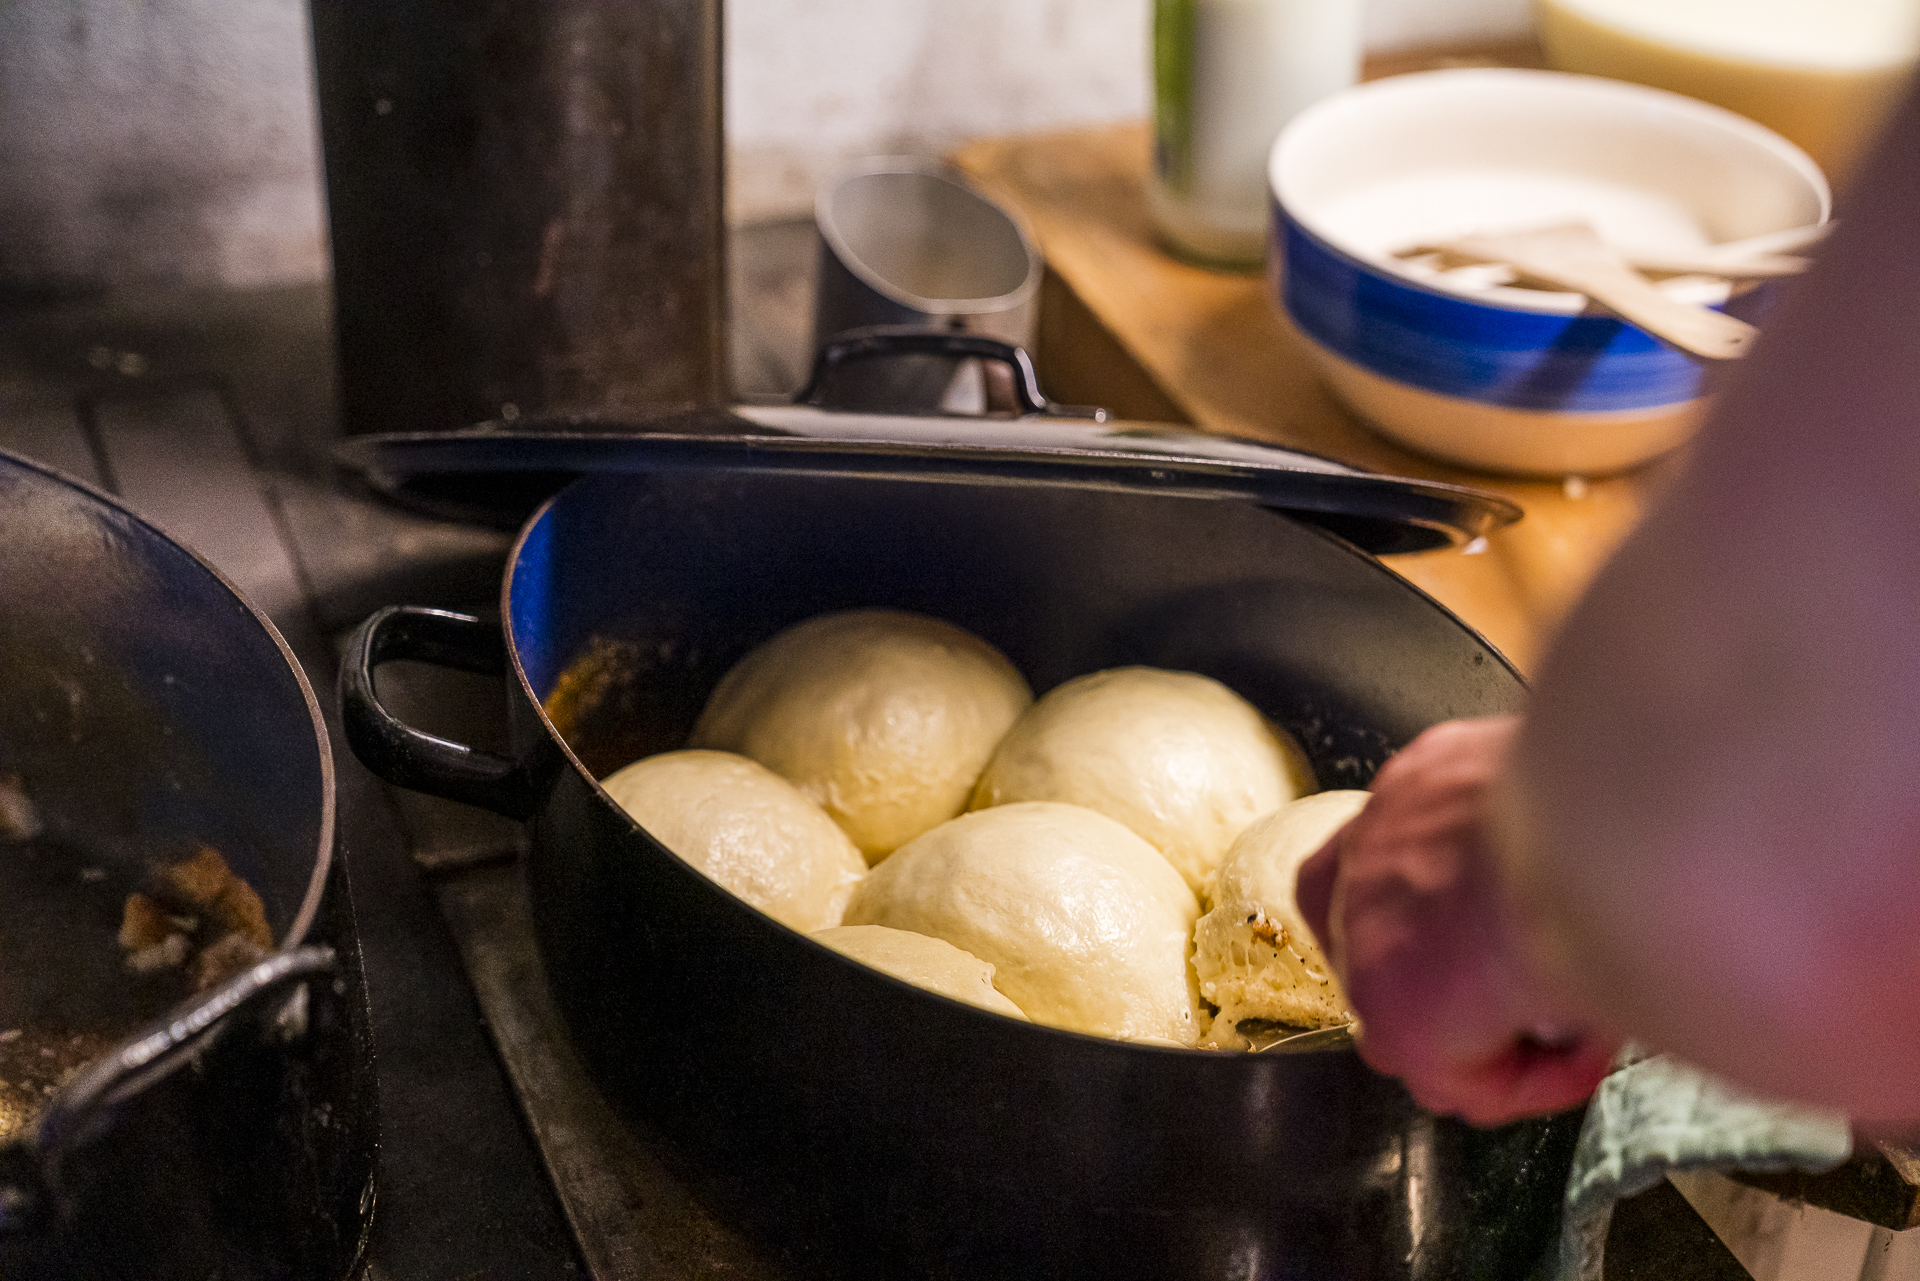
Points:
(1406, 902)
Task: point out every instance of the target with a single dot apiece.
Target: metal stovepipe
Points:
(525, 204)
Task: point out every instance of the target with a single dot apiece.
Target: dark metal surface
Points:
(1378, 513)
(851, 1122)
(463, 1194)
(1657, 1236)
(1879, 1183)
(905, 242)
(412, 758)
(634, 1214)
(146, 709)
(145, 712)
(524, 203)
(233, 393)
(243, 383)
(909, 242)
(251, 1163)
(877, 342)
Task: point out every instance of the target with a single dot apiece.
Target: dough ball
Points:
(1253, 952)
(931, 963)
(1086, 926)
(884, 718)
(1179, 758)
(747, 828)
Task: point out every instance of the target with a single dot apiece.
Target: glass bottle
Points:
(1227, 76)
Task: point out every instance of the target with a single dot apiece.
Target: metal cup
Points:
(906, 242)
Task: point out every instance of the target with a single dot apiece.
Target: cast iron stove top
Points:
(213, 416)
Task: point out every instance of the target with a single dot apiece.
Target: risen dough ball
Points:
(926, 962)
(1086, 926)
(885, 718)
(1179, 758)
(747, 828)
(1253, 952)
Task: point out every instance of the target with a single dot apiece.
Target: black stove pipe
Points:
(525, 204)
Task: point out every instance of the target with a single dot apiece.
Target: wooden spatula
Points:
(1574, 257)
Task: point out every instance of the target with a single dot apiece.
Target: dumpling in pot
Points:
(1179, 758)
(1086, 926)
(746, 828)
(884, 718)
(1253, 953)
(931, 963)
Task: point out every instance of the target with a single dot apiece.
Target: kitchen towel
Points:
(1654, 1115)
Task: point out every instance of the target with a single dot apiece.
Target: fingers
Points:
(1523, 1081)
(1406, 902)
(1452, 756)
(1313, 891)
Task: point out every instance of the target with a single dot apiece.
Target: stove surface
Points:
(214, 417)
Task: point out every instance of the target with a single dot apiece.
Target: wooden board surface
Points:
(1124, 324)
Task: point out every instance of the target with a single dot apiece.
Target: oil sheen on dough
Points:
(1086, 926)
(883, 717)
(747, 828)
(1253, 954)
(931, 963)
(1179, 758)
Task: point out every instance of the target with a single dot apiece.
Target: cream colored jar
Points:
(1823, 73)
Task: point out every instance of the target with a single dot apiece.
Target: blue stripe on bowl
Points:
(1475, 351)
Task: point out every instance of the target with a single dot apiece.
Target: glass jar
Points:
(1227, 76)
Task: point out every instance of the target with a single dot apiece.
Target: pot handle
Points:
(85, 1110)
(412, 758)
(902, 340)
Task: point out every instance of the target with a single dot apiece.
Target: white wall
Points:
(1410, 24)
(173, 140)
(815, 84)
(157, 140)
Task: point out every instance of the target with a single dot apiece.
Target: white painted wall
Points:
(1411, 24)
(165, 141)
(173, 141)
(815, 84)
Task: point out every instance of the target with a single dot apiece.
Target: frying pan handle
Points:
(905, 340)
(412, 758)
(85, 1111)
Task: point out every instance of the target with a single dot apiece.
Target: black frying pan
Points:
(147, 711)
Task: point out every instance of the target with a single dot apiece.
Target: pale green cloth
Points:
(1656, 1115)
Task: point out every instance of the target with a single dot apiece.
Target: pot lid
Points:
(499, 472)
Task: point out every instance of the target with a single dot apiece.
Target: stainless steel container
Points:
(907, 242)
(525, 203)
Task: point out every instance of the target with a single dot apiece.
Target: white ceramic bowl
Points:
(1509, 379)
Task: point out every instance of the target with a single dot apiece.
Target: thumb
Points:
(1313, 890)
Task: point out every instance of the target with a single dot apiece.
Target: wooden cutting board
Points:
(1125, 325)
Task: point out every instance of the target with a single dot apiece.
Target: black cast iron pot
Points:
(870, 1128)
(146, 710)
